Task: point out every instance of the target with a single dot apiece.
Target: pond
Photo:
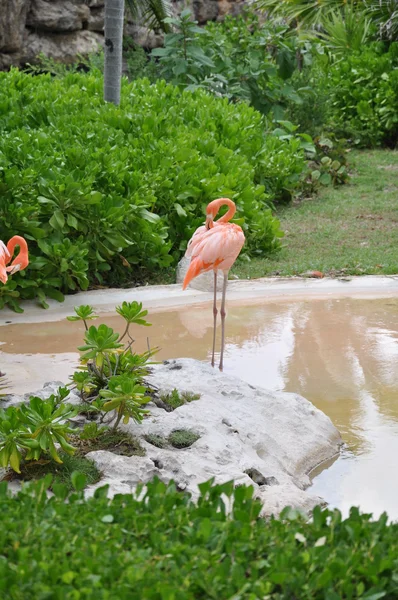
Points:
(339, 353)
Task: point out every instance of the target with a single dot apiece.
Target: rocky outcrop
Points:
(61, 47)
(246, 434)
(64, 29)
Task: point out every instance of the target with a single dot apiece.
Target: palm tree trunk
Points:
(114, 18)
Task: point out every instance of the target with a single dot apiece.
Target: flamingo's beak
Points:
(209, 221)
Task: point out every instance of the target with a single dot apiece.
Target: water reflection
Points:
(342, 354)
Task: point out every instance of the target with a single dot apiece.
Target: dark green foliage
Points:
(165, 547)
(108, 194)
(182, 438)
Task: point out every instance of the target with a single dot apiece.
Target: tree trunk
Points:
(114, 17)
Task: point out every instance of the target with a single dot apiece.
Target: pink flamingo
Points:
(214, 247)
(19, 263)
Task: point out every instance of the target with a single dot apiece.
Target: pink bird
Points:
(214, 247)
(19, 263)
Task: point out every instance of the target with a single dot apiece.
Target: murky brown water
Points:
(342, 354)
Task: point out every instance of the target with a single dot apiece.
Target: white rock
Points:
(242, 427)
(48, 389)
(204, 282)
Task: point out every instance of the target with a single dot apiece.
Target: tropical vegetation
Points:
(158, 544)
(263, 112)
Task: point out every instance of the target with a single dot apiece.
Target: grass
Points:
(182, 438)
(179, 438)
(118, 442)
(62, 472)
(156, 440)
(347, 230)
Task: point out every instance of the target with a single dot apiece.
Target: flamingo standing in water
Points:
(214, 247)
(19, 263)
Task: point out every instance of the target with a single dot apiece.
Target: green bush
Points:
(364, 96)
(239, 58)
(109, 195)
(30, 431)
(165, 547)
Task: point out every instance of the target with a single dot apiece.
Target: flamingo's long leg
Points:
(215, 311)
(223, 314)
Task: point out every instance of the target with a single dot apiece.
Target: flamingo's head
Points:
(213, 208)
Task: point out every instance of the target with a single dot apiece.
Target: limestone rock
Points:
(277, 438)
(204, 282)
(96, 19)
(12, 25)
(9, 60)
(47, 390)
(205, 10)
(143, 36)
(63, 47)
(57, 15)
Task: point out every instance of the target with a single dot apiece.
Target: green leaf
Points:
(180, 210)
(79, 480)
(57, 221)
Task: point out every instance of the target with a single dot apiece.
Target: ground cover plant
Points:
(109, 548)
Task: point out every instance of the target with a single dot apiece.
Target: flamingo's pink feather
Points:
(213, 249)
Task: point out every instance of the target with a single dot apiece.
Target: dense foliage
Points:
(239, 59)
(165, 547)
(364, 96)
(107, 194)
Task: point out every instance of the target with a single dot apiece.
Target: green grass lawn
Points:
(351, 229)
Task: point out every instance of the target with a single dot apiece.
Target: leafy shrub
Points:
(108, 194)
(165, 547)
(239, 58)
(111, 375)
(32, 430)
(364, 96)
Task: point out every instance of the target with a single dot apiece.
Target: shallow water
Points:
(342, 354)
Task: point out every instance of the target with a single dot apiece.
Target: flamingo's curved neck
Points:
(231, 210)
(17, 240)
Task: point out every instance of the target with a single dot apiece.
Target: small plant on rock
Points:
(111, 376)
(31, 431)
(183, 438)
(175, 399)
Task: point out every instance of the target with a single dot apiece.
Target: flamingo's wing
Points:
(216, 248)
(4, 254)
(194, 239)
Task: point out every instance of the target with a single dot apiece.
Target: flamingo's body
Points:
(215, 247)
(19, 263)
